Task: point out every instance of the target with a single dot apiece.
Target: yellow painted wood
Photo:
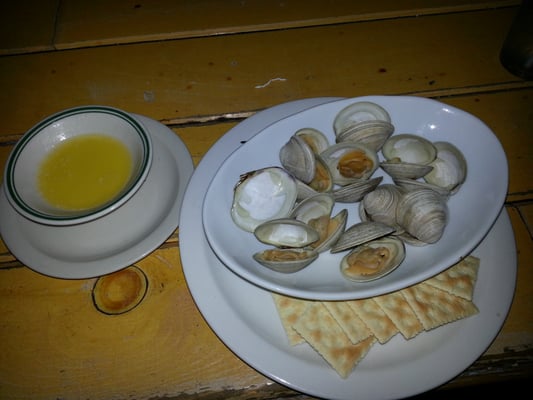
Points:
(510, 116)
(89, 23)
(248, 72)
(67, 348)
(27, 26)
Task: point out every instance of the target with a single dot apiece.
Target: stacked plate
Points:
(118, 239)
(234, 292)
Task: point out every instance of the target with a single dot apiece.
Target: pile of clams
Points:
(290, 207)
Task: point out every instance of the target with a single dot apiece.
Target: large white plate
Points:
(118, 239)
(472, 211)
(244, 317)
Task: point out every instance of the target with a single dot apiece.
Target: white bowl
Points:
(24, 162)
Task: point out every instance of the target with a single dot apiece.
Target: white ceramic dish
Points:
(118, 239)
(244, 317)
(472, 211)
(23, 164)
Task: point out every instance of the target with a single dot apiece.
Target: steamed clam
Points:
(448, 168)
(349, 162)
(286, 260)
(286, 232)
(373, 259)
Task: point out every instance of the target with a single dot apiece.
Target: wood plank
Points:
(177, 79)
(510, 116)
(27, 27)
(102, 22)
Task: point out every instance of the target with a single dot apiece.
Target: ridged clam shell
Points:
(360, 233)
(371, 133)
(405, 170)
(423, 213)
(354, 192)
(357, 112)
(298, 158)
(380, 205)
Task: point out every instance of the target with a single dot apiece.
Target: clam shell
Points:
(354, 192)
(375, 259)
(330, 231)
(423, 213)
(316, 206)
(286, 232)
(357, 112)
(449, 169)
(372, 133)
(409, 148)
(380, 205)
(405, 170)
(298, 158)
(314, 138)
(413, 184)
(360, 233)
(286, 260)
(262, 195)
(349, 162)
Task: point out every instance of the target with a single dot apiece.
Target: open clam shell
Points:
(373, 260)
(409, 148)
(286, 232)
(285, 260)
(449, 168)
(349, 162)
(314, 138)
(329, 230)
(262, 195)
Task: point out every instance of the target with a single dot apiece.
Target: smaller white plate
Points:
(472, 211)
(118, 239)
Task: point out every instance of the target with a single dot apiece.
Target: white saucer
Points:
(114, 241)
(244, 317)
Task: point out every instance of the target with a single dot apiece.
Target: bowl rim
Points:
(31, 213)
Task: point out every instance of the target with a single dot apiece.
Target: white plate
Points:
(472, 211)
(114, 241)
(244, 317)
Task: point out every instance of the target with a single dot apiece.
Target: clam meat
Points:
(373, 259)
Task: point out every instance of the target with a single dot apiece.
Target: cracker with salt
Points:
(400, 313)
(435, 307)
(318, 327)
(459, 279)
(289, 310)
(375, 318)
(351, 324)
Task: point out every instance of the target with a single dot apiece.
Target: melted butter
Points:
(84, 172)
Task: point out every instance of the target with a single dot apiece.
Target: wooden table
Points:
(201, 68)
